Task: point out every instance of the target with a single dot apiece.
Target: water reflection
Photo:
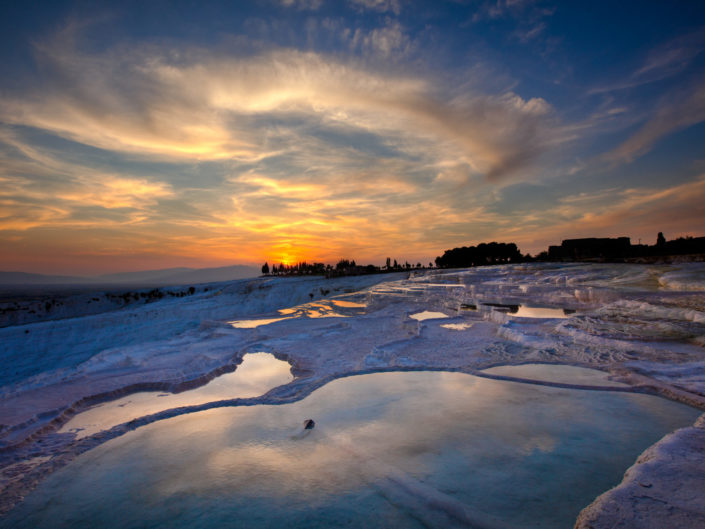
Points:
(389, 450)
(348, 304)
(457, 326)
(427, 315)
(317, 309)
(251, 324)
(257, 374)
(524, 311)
(556, 373)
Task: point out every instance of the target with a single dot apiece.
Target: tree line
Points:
(467, 256)
(496, 253)
(481, 255)
(342, 267)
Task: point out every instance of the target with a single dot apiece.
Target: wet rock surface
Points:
(664, 488)
(642, 324)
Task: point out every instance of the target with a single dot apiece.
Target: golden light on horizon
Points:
(251, 151)
(287, 258)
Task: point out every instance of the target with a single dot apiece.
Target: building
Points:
(591, 248)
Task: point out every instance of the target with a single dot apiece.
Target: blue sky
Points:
(154, 134)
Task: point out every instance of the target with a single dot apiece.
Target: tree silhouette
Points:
(265, 268)
(660, 239)
(480, 255)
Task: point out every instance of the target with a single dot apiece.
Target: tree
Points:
(389, 263)
(660, 239)
(265, 268)
(343, 264)
(480, 255)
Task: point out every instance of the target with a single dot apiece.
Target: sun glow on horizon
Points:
(363, 138)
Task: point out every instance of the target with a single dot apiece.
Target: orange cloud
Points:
(201, 106)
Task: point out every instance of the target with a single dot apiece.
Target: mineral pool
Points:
(396, 449)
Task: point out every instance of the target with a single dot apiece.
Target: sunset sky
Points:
(139, 135)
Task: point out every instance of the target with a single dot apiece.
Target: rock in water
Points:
(309, 424)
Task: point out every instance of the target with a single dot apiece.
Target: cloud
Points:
(194, 105)
(40, 189)
(378, 5)
(531, 32)
(311, 5)
(634, 212)
(682, 109)
(528, 10)
(277, 151)
(672, 57)
(382, 42)
(663, 61)
(678, 209)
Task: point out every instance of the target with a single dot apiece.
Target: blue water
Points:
(419, 449)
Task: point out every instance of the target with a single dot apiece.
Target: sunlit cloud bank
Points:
(324, 158)
(168, 152)
(193, 104)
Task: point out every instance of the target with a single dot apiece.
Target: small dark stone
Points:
(309, 424)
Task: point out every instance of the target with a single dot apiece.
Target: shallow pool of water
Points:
(556, 373)
(413, 449)
(525, 311)
(251, 324)
(257, 374)
(427, 315)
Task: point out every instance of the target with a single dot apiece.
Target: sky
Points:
(144, 135)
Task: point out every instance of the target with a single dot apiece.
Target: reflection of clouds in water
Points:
(539, 312)
(556, 373)
(315, 309)
(443, 436)
(348, 304)
(311, 467)
(538, 443)
(457, 326)
(251, 324)
(257, 374)
(259, 453)
(427, 315)
(307, 310)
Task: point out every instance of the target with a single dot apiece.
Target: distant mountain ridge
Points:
(20, 278)
(163, 277)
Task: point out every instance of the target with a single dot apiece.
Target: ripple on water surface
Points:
(413, 449)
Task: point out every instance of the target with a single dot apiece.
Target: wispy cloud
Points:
(681, 109)
(249, 150)
(382, 42)
(382, 6)
(195, 105)
(637, 212)
(661, 62)
(38, 189)
(321, 157)
(302, 4)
